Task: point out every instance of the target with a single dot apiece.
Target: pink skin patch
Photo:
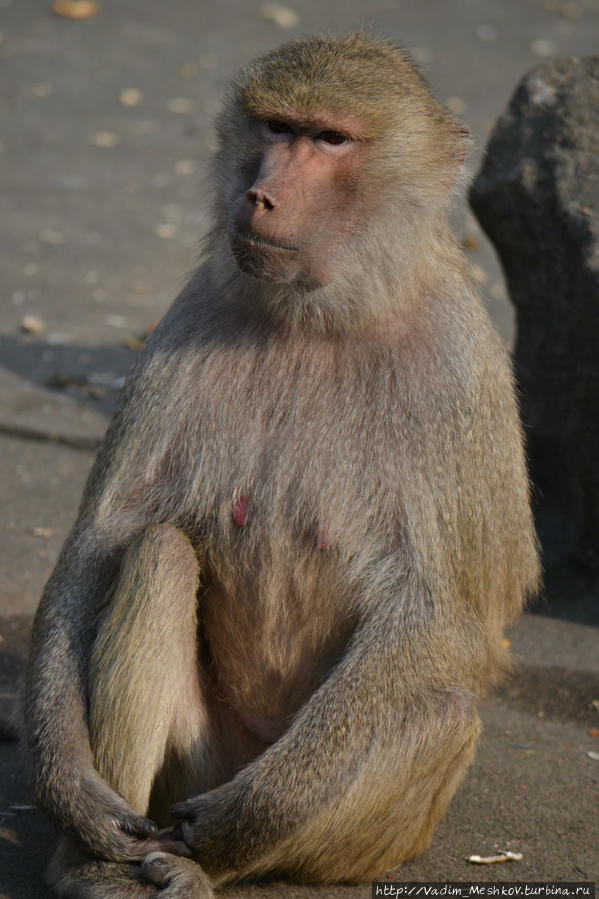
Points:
(240, 511)
(324, 540)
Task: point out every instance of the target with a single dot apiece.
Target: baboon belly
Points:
(268, 654)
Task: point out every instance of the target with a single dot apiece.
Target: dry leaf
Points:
(495, 859)
(76, 9)
(279, 15)
(594, 732)
(571, 10)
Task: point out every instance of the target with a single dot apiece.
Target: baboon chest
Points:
(281, 507)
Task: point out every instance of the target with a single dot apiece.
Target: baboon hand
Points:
(201, 816)
(107, 825)
(191, 816)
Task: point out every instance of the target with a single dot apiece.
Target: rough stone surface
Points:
(537, 197)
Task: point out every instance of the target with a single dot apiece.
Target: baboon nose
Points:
(259, 198)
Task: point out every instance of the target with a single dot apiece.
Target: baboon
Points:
(308, 523)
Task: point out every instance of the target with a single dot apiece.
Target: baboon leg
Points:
(146, 711)
(145, 698)
(389, 814)
(75, 875)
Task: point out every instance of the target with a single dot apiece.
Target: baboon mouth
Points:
(253, 238)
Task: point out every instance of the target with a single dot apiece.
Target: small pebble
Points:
(51, 236)
(208, 61)
(422, 55)
(167, 230)
(486, 33)
(142, 126)
(130, 96)
(42, 90)
(30, 269)
(181, 105)
(104, 139)
(31, 324)
(188, 70)
(115, 321)
(457, 105)
(185, 167)
(542, 47)
(56, 338)
(161, 179)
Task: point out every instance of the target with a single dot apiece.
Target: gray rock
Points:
(537, 197)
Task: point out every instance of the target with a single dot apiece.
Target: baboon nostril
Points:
(259, 197)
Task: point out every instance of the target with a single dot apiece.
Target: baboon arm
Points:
(63, 780)
(370, 716)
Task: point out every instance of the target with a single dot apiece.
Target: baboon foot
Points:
(178, 878)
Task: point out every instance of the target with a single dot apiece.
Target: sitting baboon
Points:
(308, 523)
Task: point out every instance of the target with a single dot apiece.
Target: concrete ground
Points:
(106, 130)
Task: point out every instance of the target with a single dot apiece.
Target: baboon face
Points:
(297, 198)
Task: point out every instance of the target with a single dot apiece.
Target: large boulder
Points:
(537, 197)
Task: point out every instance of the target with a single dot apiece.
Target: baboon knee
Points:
(168, 546)
(162, 560)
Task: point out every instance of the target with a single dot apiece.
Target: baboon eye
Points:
(332, 137)
(279, 127)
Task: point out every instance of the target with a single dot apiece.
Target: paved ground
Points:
(101, 207)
